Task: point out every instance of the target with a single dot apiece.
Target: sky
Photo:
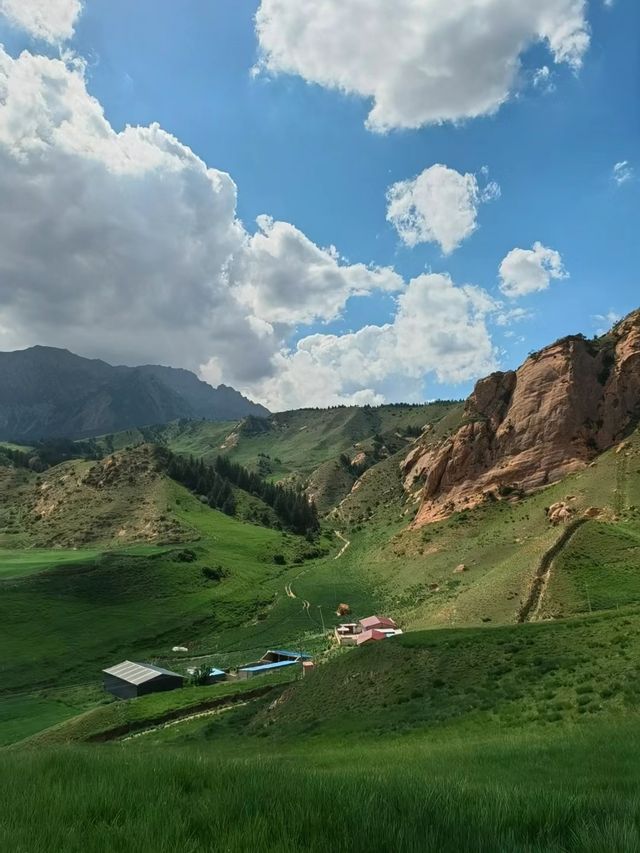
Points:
(341, 201)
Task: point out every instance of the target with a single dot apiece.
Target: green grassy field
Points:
(568, 789)
(14, 564)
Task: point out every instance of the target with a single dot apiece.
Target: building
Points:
(272, 661)
(347, 633)
(369, 637)
(216, 675)
(372, 623)
(366, 630)
(128, 679)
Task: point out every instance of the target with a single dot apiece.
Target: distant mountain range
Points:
(47, 392)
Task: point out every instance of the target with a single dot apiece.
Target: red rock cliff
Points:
(534, 426)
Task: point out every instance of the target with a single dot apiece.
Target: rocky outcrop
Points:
(524, 429)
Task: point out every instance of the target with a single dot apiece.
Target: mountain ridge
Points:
(46, 392)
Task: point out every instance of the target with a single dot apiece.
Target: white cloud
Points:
(285, 278)
(425, 61)
(622, 172)
(50, 20)
(126, 246)
(438, 206)
(543, 79)
(439, 329)
(604, 322)
(526, 271)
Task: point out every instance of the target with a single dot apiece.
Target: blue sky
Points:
(302, 154)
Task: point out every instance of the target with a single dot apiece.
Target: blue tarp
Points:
(264, 666)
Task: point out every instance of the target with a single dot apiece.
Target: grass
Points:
(116, 718)
(15, 564)
(291, 443)
(540, 674)
(599, 570)
(576, 789)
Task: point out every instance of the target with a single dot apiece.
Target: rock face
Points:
(524, 429)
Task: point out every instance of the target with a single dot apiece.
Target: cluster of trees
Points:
(216, 482)
(201, 479)
(291, 505)
(46, 454)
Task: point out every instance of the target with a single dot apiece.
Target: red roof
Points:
(377, 622)
(369, 636)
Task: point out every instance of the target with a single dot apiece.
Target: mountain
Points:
(531, 427)
(47, 392)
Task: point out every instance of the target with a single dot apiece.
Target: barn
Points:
(129, 679)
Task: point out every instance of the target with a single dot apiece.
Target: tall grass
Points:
(403, 798)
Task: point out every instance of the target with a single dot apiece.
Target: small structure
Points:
(129, 679)
(347, 633)
(366, 630)
(307, 667)
(216, 675)
(373, 622)
(271, 661)
(369, 637)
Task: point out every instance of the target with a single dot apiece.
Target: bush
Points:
(216, 574)
(186, 556)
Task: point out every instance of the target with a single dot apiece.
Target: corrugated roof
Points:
(289, 654)
(262, 666)
(369, 636)
(377, 622)
(138, 673)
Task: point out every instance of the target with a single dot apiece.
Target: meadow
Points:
(572, 789)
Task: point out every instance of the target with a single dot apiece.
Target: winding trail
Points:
(531, 607)
(344, 547)
(211, 713)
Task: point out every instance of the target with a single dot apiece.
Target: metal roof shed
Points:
(263, 668)
(129, 679)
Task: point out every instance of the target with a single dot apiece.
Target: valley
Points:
(520, 613)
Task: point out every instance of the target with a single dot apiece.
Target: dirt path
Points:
(531, 607)
(622, 481)
(344, 547)
(210, 713)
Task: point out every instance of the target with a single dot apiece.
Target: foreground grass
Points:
(578, 790)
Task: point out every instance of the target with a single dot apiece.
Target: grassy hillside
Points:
(117, 500)
(487, 793)
(511, 738)
(293, 443)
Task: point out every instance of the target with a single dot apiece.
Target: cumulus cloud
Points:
(622, 172)
(127, 246)
(428, 62)
(525, 271)
(437, 206)
(50, 20)
(285, 278)
(439, 329)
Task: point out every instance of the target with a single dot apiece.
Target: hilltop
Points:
(527, 428)
(47, 392)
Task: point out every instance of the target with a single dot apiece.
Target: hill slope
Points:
(46, 392)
